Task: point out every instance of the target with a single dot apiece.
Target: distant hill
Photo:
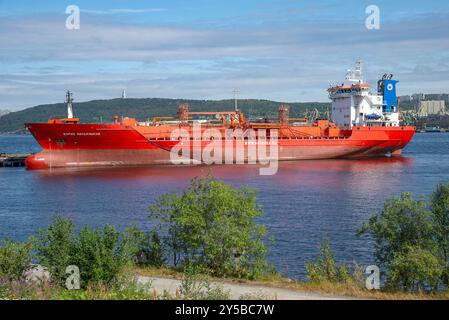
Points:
(4, 112)
(142, 109)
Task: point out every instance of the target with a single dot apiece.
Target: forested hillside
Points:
(142, 109)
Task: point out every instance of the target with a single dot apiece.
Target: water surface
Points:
(304, 202)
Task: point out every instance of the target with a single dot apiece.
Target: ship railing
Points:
(246, 138)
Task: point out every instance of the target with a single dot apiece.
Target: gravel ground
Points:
(238, 290)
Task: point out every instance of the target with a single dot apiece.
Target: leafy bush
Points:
(100, 254)
(151, 251)
(402, 222)
(439, 205)
(412, 241)
(325, 269)
(55, 248)
(196, 286)
(15, 259)
(416, 270)
(125, 287)
(212, 225)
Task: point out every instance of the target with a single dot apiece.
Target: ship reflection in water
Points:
(333, 173)
(286, 169)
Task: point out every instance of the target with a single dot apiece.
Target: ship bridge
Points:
(355, 104)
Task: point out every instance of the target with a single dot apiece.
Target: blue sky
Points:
(283, 50)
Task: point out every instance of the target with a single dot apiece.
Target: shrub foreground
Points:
(211, 230)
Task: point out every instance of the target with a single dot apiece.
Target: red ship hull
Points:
(79, 145)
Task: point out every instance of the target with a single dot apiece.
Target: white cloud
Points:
(292, 62)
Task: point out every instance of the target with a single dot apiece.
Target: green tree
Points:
(415, 269)
(408, 238)
(440, 211)
(403, 222)
(211, 225)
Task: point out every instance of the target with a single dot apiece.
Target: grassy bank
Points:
(348, 289)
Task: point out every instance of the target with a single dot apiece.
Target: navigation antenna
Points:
(357, 74)
(69, 100)
(236, 91)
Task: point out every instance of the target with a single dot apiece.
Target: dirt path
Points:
(237, 290)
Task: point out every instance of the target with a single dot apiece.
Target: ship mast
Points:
(356, 75)
(236, 91)
(69, 100)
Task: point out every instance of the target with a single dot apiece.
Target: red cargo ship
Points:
(363, 125)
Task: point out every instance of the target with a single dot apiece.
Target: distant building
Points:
(438, 96)
(405, 98)
(124, 94)
(431, 107)
(418, 97)
(445, 97)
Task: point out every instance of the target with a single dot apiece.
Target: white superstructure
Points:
(353, 103)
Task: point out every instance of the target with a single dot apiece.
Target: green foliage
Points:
(440, 210)
(11, 289)
(415, 269)
(196, 286)
(325, 269)
(15, 259)
(131, 244)
(411, 241)
(151, 251)
(54, 247)
(100, 254)
(125, 287)
(142, 109)
(212, 225)
(403, 222)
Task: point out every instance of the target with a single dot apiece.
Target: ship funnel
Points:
(183, 111)
(387, 88)
(69, 100)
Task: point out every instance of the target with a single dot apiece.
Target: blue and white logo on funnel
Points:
(389, 94)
